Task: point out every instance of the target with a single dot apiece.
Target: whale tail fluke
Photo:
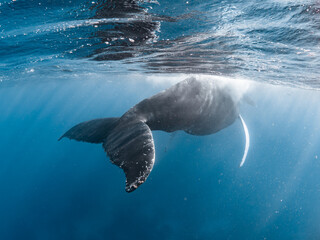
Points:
(93, 131)
(129, 144)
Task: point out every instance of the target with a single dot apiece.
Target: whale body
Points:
(198, 107)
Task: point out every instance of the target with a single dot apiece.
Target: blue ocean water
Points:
(64, 62)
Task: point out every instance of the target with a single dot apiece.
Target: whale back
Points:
(199, 107)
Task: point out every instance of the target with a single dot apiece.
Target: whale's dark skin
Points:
(198, 107)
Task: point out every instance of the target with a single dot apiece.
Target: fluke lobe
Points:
(198, 107)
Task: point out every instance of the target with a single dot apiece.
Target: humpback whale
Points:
(198, 107)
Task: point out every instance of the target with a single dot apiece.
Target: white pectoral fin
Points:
(246, 132)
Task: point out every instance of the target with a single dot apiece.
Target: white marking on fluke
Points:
(246, 149)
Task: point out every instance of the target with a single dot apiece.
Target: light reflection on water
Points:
(272, 41)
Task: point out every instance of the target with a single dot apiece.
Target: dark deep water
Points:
(63, 62)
